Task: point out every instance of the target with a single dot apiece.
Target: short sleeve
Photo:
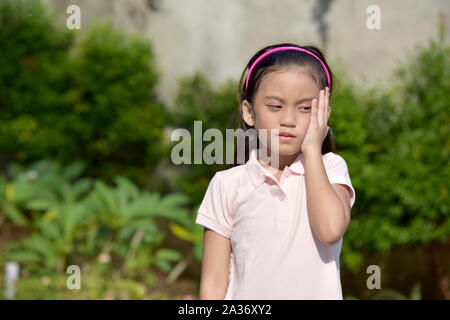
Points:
(214, 211)
(338, 173)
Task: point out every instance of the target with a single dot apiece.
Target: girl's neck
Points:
(283, 161)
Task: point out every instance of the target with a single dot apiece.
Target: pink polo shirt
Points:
(275, 254)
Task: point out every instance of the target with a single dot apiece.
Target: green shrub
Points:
(73, 220)
(403, 188)
(92, 99)
(217, 108)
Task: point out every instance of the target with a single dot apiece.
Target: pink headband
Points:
(265, 54)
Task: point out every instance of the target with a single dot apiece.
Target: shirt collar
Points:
(258, 173)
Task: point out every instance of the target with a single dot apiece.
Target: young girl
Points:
(275, 231)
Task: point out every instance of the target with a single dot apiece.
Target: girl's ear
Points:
(248, 114)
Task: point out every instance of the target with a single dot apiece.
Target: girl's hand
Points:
(317, 129)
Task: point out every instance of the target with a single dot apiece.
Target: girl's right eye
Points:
(276, 107)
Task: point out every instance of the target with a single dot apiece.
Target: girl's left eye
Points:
(305, 108)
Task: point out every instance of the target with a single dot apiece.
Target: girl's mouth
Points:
(286, 136)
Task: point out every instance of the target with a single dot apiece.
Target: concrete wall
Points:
(218, 37)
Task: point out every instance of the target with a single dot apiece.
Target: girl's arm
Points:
(215, 266)
(328, 204)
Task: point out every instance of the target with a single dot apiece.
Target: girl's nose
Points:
(288, 117)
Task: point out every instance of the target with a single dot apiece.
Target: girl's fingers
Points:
(320, 113)
(327, 98)
(314, 111)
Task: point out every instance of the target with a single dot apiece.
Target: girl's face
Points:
(283, 102)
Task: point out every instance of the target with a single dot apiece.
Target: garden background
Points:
(86, 177)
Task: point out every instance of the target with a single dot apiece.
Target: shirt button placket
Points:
(282, 215)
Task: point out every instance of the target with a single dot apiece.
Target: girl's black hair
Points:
(273, 62)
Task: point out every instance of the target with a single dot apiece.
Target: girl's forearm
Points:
(213, 292)
(325, 209)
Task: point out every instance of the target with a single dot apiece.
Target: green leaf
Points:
(181, 233)
(126, 185)
(73, 170)
(163, 265)
(49, 230)
(168, 254)
(39, 204)
(24, 256)
(14, 214)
